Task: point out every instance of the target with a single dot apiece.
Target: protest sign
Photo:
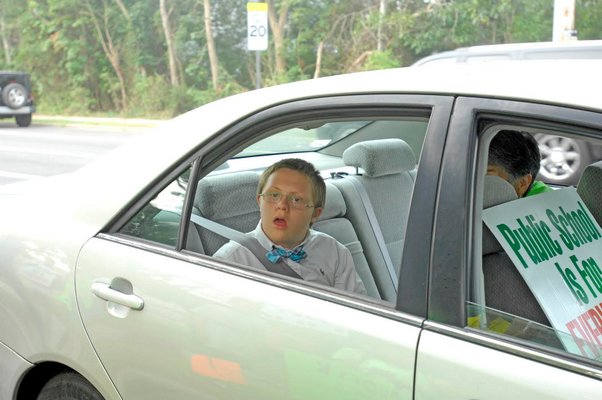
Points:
(556, 245)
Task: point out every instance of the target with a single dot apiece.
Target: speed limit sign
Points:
(257, 26)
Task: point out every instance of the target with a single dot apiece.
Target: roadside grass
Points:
(97, 121)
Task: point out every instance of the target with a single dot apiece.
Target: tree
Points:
(213, 60)
(104, 24)
(171, 53)
(277, 19)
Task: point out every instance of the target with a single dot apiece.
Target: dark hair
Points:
(516, 152)
(304, 167)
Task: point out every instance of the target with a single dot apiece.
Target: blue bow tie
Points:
(277, 253)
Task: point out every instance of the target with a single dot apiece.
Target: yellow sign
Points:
(257, 7)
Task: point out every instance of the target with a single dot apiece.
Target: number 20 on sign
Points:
(257, 26)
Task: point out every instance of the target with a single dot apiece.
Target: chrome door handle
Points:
(109, 293)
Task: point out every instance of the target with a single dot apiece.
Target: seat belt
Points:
(251, 243)
(380, 240)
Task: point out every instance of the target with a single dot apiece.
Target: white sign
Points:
(257, 26)
(556, 244)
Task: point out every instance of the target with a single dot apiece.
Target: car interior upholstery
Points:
(590, 189)
(505, 289)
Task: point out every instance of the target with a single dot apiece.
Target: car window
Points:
(302, 138)
(159, 219)
(538, 264)
(381, 154)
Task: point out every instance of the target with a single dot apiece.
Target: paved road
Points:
(45, 150)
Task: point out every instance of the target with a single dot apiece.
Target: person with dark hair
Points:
(514, 156)
(291, 196)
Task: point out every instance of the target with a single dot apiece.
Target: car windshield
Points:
(303, 138)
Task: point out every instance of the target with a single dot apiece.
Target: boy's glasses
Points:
(296, 202)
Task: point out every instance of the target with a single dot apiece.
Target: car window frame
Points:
(221, 145)
(458, 213)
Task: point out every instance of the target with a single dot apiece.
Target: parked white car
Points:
(109, 290)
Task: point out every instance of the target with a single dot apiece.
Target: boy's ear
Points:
(317, 213)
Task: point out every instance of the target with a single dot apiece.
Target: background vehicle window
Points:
(159, 220)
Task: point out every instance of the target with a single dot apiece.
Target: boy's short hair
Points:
(516, 152)
(304, 167)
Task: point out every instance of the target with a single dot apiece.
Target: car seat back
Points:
(505, 288)
(229, 199)
(387, 176)
(333, 223)
(590, 189)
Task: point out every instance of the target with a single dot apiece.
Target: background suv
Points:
(15, 97)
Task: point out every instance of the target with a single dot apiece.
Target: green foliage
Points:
(382, 60)
(85, 56)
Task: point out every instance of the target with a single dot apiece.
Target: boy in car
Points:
(291, 196)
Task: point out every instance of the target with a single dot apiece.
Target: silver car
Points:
(109, 288)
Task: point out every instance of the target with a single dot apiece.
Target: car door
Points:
(173, 323)
(485, 362)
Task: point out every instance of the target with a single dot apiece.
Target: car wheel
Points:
(14, 95)
(69, 386)
(562, 159)
(23, 120)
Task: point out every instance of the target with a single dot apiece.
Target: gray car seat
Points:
(333, 223)
(590, 189)
(229, 199)
(388, 179)
(505, 288)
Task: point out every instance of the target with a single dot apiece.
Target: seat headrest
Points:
(229, 195)
(335, 204)
(590, 189)
(381, 157)
(496, 191)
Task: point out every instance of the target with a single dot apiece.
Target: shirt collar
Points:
(268, 244)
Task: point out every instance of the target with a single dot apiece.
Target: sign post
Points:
(257, 34)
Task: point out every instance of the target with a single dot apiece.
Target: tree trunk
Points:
(277, 21)
(213, 60)
(319, 59)
(381, 21)
(171, 54)
(110, 50)
(123, 10)
(5, 43)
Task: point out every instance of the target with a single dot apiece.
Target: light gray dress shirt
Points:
(328, 262)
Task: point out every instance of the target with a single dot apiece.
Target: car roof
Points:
(516, 51)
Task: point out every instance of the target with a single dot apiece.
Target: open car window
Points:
(538, 267)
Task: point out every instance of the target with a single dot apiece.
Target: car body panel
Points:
(206, 333)
(12, 368)
(10, 112)
(491, 374)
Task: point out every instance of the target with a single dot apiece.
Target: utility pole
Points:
(564, 21)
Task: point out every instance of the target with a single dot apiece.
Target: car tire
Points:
(562, 159)
(68, 386)
(23, 120)
(14, 95)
